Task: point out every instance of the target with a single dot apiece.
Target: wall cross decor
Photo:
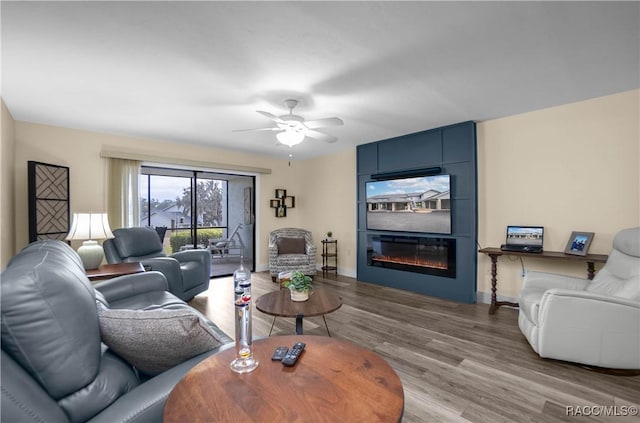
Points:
(282, 202)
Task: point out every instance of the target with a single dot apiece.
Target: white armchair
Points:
(590, 322)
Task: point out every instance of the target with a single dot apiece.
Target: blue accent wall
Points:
(453, 148)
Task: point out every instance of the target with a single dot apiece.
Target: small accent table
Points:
(278, 303)
(494, 253)
(109, 271)
(333, 380)
(328, 254)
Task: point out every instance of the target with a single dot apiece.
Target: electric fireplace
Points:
(433, 256)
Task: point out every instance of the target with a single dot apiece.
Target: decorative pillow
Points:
(290, 245)
(155, 340)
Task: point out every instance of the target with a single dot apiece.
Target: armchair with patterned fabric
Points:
(291, 249)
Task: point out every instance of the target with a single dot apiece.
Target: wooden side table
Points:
(333, 380)
(278, 303)
(110, 271)
(329, 255)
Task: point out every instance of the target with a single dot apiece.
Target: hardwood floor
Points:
(456, 362)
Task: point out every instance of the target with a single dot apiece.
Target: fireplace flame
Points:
(415, 261)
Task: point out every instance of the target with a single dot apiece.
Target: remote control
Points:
(279, 353)
(293, 354)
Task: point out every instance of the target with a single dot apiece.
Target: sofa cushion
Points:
(137, 242)
(290, 245)
(628, 242)
(49, 321)
(620, 277)
(292, 261)
(155, 340)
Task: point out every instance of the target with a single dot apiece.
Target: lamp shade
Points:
(89, 227)
(290, 137)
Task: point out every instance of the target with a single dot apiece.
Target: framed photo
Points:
(274, 204)
(281, 193)
(281, 211)
(289, 202)
(579, 243)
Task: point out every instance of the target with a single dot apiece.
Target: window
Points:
(167, 200)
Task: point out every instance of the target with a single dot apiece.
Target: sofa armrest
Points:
(572, 295)
(145, 403)
(273, 252)
(311, 250)
(203, 256)
(544, 281)
(170, 268)
(586, 327)
(128, 285)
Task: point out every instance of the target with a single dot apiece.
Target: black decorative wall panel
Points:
(48, 201)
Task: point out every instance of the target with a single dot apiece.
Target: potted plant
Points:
(329, 235)
(299, 285)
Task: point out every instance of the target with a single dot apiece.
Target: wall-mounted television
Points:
(414, 204)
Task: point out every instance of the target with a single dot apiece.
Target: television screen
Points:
(417, 204)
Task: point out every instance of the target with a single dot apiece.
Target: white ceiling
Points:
(191, 72)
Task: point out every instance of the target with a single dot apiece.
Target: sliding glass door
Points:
(205, 210)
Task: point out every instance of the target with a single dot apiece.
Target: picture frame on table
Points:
(579, 243)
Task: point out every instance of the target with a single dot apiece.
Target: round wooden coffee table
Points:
(278, 303)
(334, 380)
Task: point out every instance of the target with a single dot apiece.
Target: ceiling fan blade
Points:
(321, 136)
(257, 129)
(323, 123)
(270, 116)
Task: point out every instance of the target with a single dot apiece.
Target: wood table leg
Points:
(591, 270)
(494, 281)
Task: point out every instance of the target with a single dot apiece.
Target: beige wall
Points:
(567, 168)
(580, 174)
(80, 151)
(331, 182)
(7, 185)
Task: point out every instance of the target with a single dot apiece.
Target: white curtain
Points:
(124, 199)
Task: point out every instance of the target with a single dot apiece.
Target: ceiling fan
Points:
(293, 128)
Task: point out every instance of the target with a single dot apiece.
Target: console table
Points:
(494, 253)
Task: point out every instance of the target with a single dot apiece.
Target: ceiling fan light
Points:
(290, 137)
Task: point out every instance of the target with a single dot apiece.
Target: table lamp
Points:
(90, 227)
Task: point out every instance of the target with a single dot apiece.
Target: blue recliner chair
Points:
(187, 272)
